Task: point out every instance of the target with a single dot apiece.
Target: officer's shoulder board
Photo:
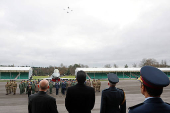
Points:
(167, 103)
(120, 89)
(135, 106)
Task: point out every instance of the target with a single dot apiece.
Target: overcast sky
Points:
(95, 33)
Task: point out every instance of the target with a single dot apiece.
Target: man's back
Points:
(42, 103)
(80, 99)
(113, 101)
(151, 105)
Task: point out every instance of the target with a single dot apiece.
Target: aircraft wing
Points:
(67, 78)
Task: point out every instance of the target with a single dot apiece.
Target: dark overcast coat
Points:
(80, 99)
(42, 103)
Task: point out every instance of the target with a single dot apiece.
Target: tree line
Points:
(144, 62)
(70, 70)
(64, 70)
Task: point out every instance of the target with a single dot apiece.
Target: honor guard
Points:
(63, 87)
(21, 87)
(33, 87)
(152, 82)
(10, 87)
(36, 87)
(69, 83)
(26, 84)
(94, 84)
(51, 86)
(14, 87)
(7, 88)
(57, 86)
(24, 87)
(72, 83)
(113, 99)
(29, 89)
(98, 85)
(89, 83)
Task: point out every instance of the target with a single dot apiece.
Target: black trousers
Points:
(56, 91)
(29, 93)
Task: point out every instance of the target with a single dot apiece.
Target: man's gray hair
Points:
(111, 84)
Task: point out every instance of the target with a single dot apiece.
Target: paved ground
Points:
(19, 103)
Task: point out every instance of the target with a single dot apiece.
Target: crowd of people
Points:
(80, 98)
(30, 87)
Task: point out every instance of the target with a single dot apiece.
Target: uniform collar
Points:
(112, 88)
(42, 92)
(153, 100)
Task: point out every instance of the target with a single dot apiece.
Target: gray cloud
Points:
(43, 34)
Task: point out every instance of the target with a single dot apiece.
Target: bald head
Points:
(43, 84)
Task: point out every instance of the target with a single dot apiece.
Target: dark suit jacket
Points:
(80, 99)
(42, 103)
(152, 105)
(113, 101)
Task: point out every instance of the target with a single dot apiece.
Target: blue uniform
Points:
(57, 86)
(63, 86)
(151, 105)
(153, 79)
(113, 101)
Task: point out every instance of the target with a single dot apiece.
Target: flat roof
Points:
(97, 70)
(15, 69)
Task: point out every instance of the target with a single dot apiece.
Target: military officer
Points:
(14, 87)
(63, 87)
(89, 83)
(7, 88)
(10, 87)
(26, 84)
(24, 87)
(69, 83)
(51, 86)
(29, 89)
(35, 81)
(33, 87)
(98, 85)
(21, 87)
(113, 99)
(94, 84)
(152, 82)
(36, 87)
(57, 86)
(72, 83)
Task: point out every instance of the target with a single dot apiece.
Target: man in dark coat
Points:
(152, 82)
(41, 102)
(63, 87)
(80, 98)
(57, 86)
(29, 89)
(113, 99)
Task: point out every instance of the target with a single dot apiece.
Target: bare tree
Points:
(83, 66)
(134, 65)
(107, 66)
(115, 65)
(149, 62)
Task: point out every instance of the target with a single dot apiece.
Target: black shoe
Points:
(6, 94)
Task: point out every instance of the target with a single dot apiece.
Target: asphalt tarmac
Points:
(19, 103)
